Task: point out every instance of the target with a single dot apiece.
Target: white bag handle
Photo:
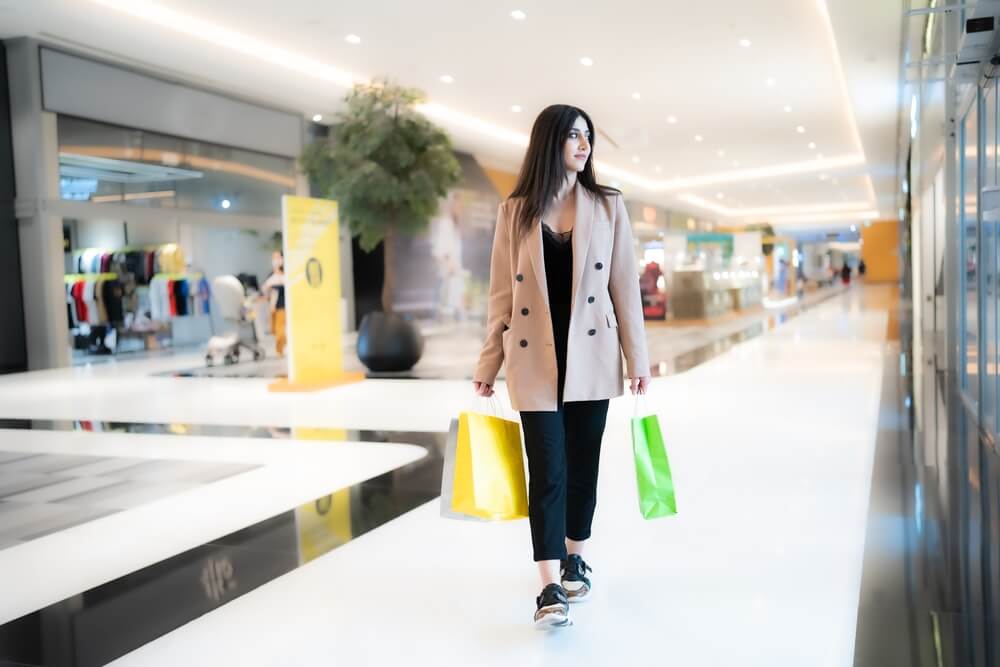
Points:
(638, 396)
(495, 405)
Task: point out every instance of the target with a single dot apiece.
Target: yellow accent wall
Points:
(503, 181)
(880, 250)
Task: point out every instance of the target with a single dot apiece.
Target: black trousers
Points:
(564, 451)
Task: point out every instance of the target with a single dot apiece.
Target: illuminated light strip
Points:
(473, 123)
(758, 173)
(845, 92)
(722, 210)
(133, 196)
(218, 35)
(231, 39)
(706, 204)
(845, 216)
(205, 163)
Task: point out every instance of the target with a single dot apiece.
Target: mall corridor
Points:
(771, 444)
(311, 314)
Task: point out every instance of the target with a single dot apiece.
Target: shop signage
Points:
(312, 295)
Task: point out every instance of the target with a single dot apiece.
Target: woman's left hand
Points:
(639, 385)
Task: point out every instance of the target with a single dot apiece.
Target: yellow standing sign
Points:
(312, 295)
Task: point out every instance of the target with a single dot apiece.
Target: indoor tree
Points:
(386, 165)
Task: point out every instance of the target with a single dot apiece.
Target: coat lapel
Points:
(582, 229)
(535, 253)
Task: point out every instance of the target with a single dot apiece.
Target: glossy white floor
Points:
(286, 474)
(771, 446)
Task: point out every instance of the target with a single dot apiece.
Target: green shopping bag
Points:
(652, 469)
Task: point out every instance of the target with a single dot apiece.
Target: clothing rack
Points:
(74, 277)
(179, 276)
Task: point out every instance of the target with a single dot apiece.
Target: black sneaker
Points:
(553, 607)
(574, 578)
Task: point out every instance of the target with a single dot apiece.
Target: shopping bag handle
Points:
(495, 406)
(638, 396)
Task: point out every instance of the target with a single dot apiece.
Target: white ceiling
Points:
(838, 75)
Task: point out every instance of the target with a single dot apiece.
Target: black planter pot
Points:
(389, 343)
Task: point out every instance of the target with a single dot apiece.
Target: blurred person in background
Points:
(564, 304)
(273, 290)
(446, 249)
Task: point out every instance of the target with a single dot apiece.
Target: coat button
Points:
(598, 266)
(519, 277)
(524, 343)
(590, 299)
(524, 311)
(592, 332)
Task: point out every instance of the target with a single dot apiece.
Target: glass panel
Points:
(988, 266)
(970, 209)
(109, 164)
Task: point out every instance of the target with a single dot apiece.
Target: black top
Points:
(279, 304)
(558, 253)
(558, 265)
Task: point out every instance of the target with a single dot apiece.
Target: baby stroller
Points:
(230, 299)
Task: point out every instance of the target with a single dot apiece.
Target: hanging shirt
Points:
(112, 299)
(204, 296)
(81, 305)
(71, 306)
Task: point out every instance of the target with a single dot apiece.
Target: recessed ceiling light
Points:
(699, 138)
(635, 159)
(635, 96)
(516, 108)
(800, 129)
(586, 62)
(518, 15)
(447, 78)
(317, 118)
(720, 153)
(226, 203)
(672, 120)
(770, 81)
(812, 145)
(352, 39)
(745, 43)
(788, 109)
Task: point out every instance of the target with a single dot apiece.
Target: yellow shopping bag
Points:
(489, 469)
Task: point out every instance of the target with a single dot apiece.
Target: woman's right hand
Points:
(482, 389)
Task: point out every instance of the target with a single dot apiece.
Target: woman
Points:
(564, 304)
(273, 289)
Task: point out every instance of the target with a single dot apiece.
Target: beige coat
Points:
(605, 317)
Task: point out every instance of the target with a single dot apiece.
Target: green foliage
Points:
(385, 164)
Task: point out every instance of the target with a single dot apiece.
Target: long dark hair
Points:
(544, 170)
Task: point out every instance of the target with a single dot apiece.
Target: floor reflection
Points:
(104, 623)
(929, 589)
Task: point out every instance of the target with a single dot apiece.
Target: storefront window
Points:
(109, 164)
(969, 226)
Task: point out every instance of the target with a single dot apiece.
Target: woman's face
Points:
(576, 148)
